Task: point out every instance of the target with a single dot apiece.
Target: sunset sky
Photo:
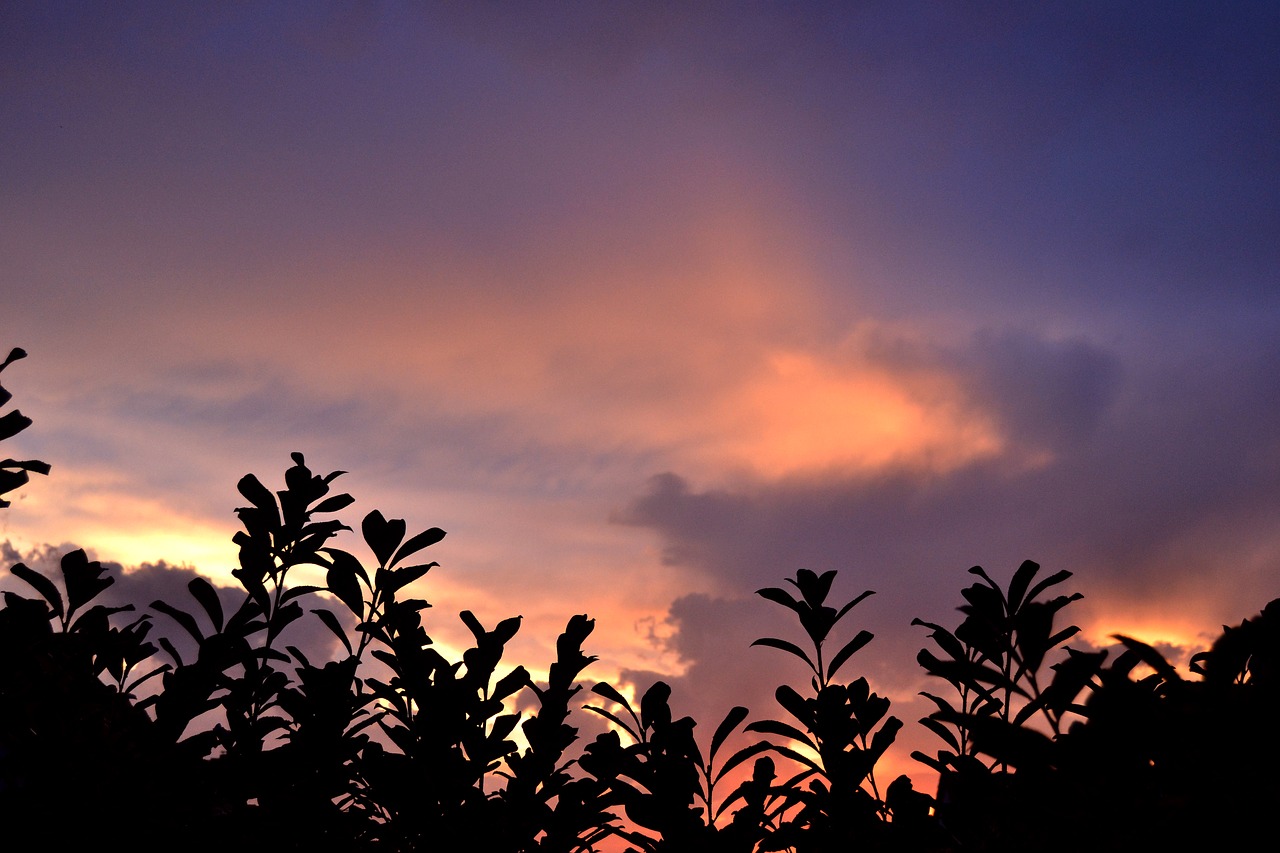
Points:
(650, 305)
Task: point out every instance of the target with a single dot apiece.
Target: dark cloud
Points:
(139, 586)
(1044, 394)
(1161, 486)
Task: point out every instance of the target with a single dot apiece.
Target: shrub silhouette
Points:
(107, 730)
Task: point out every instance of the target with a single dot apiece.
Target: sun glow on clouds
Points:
(1176, 636)
(106, 516)
(806, 414)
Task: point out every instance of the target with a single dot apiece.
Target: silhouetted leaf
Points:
(1063, 635)
(655, 709)
(511, 682)
(204, 593)
(616, 720)
(786, 646)
(344, 586)
(609, 692)
(1021, 580)
(12, 423)
(730, 722)
(1055, 578)
(14, 354)
(424, 539)
(335, 626)
(382, 536)
(1149, 656)
(929, 760)
(35, 466)
(334, 503)
(850, 605)
(786, 730)
(941, 731)
(814, 587)
(282, 617)
(779, 596)
(944, 638)
(257, 494)
(48, 591)
(169, 647)
(393, 580)
(299, 591)
(798, 757)
(848, 650)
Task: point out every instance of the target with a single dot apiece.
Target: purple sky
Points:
(651, 305)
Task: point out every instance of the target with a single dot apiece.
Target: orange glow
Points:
(806, 414)
(109, 518)
(1185, 632)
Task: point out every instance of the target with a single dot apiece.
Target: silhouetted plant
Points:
(843, 730)
(994, 663)
(14, 473)
(666, 785)
(391, 746)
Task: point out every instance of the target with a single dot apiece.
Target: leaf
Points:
(1149, 656)
(334, 503)
(347, 562)
(425, 539)
(35, 466)
(609, 692)
(258, 495)
(1055, 578)
(514, 680)
(282, 617)
(82, 578)
(794, 704)
(786, 646)
(780, 596)
(852, 604)
(799, 758)
(1063, 635)
(1021, 580)
(14, 354)
(945, 640)
(382, 536)
(204, 593)
(13, 423)
(941, 731)
(168, 646)
(342, 582)
(730, 722)
(741, 756)
(786, 730)
(473, 624)
(943, 704)
(655, 708)
(335, 626)
(845, 653)
(615, 719)
(814, 587)
(299, 591)
(884, 738)
(42, 585)
(927, 760)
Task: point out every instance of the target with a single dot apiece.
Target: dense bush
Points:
(109, 730)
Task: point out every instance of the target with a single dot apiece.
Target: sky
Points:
(652, 305)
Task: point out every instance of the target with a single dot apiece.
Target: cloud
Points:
(139, 586)
(1156, 487)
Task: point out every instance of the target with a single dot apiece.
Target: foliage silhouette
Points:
(107, 730)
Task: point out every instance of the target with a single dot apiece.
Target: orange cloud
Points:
(806, 414)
